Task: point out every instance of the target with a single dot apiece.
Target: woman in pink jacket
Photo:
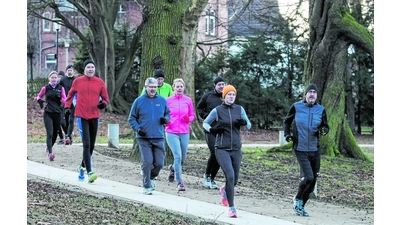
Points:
(177, 132)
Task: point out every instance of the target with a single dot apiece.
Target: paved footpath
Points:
(170, 202)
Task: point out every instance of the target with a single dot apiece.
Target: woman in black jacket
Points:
(55, 97)
(227, 120)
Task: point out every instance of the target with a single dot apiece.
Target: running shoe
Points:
(305, 213)
(152, 185)
(51, 156)
(224, 199)
(68, 140)
(148, 191)
(232, 212)
(298, 206)
(213, 185)
(81, 171)
(171, 175)
(207, 181)
(92, 177)
(181, 186)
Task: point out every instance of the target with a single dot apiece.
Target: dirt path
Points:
(68, 158)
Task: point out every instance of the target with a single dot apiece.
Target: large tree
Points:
(332, 31)
(169, 39)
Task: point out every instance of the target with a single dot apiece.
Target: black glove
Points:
(101, 105)
(289, 138)
(163, 120)
(67, 111)
(40, 101)
(324, 131)
(240, 122)
(219, 129)
(142, 132)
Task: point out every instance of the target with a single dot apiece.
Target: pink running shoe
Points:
(52, 156)
(224, 200)
(232, 212)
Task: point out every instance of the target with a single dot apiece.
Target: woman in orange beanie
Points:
(229, 118)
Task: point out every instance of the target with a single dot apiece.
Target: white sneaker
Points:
(207, 182)
(147, 191)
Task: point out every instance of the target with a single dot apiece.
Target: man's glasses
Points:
(151, 86)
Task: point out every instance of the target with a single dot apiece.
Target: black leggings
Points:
(67, 124)
(230, 164)
(52, 124)
(309, 166)
(89, 133)
(69, 121)
(212, 163)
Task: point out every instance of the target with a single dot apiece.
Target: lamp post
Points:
(57, 27)
(66, 45)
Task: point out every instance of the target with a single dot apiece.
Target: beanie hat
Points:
(227, 89)
(310, 87)
(69, 67)
(87, 61)
(218, 79)
(159, 73)
(61, 73)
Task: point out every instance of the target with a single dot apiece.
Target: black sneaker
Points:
(171, 176)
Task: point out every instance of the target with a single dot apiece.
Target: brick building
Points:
(48, 39)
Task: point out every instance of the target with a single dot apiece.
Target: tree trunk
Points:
(332, 31)
(350, 112)
(163, 46)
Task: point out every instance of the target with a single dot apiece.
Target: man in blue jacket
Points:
(310, 122)
(148, 115)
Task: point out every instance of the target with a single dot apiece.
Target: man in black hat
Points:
(208, 102)
(68, 125)
(310, 123)
(164, 89)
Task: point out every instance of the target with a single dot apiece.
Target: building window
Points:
(46, 23)
(210, 22)
(50, 61)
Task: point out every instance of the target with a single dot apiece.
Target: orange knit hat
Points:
(227, 89)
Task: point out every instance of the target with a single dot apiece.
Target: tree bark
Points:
(168, 42)
(332, 30)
